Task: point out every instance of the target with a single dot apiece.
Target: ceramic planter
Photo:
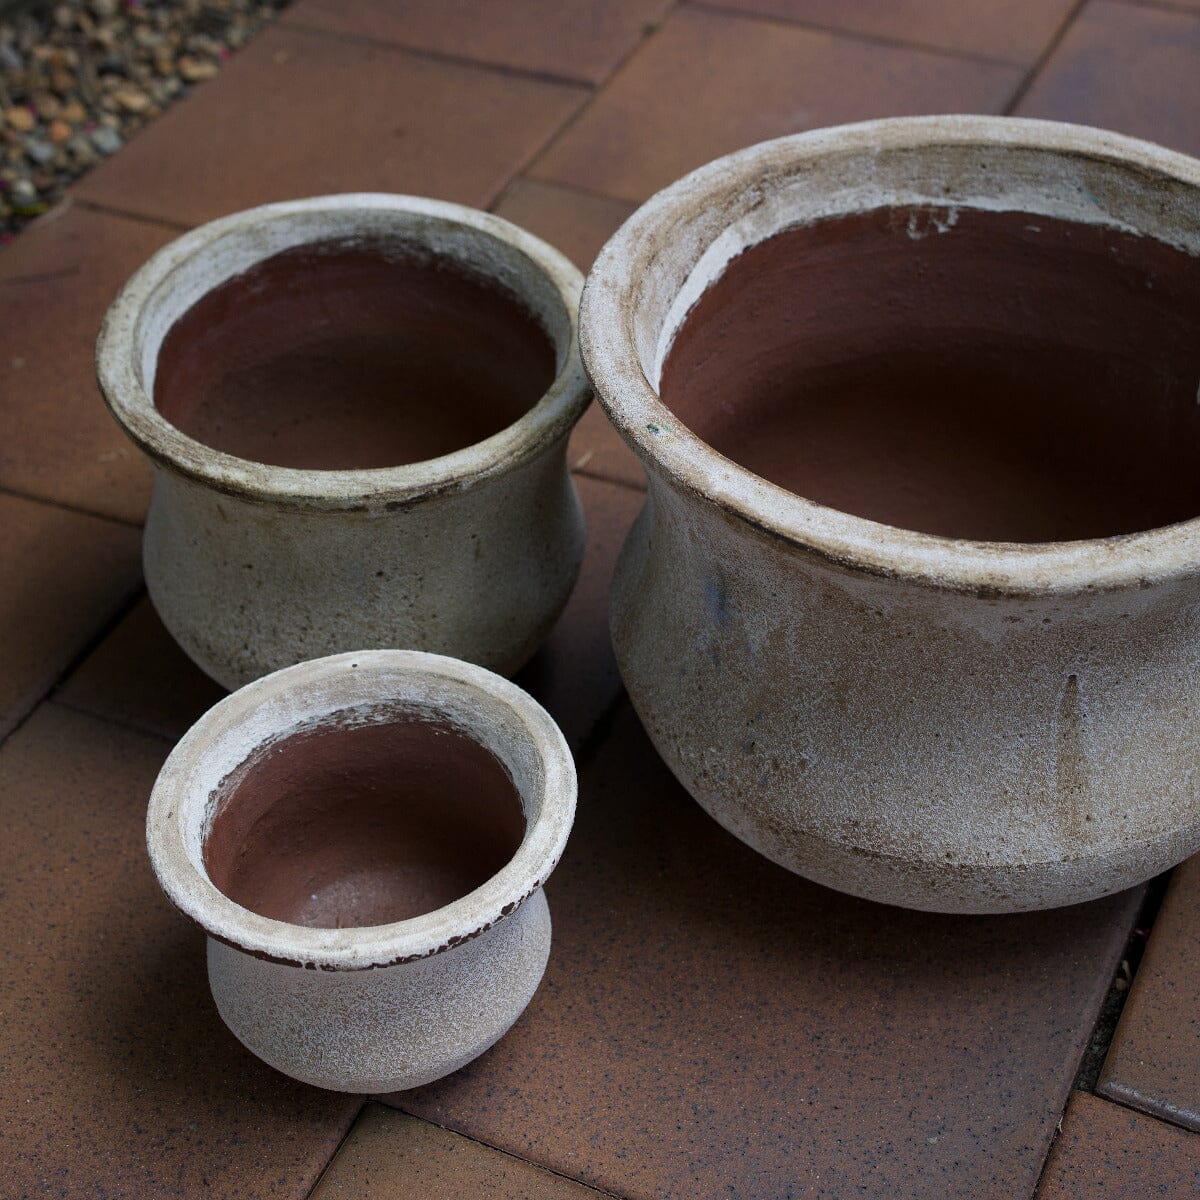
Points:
(345, 790)
(471, 550)
(996, 706)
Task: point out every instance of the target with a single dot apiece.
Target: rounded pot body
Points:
(943, 724)
(253, 567)
(392, 1028)
(379, 1007)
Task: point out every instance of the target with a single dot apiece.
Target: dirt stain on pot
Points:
(354, 825)
(343, 355)
(1001, 377)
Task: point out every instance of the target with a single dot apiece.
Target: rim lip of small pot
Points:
(179, 811)
(119, 356)
(610, 352)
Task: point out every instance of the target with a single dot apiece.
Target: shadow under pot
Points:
(357, 409)
(365, 838)
(912, 604)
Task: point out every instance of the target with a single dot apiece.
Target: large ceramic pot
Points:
(913, 607)
(364, 838)
(357, 410)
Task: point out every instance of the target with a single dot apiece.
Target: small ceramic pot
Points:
(471, 549)
(980, 696)
(335, 794)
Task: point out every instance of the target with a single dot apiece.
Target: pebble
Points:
(20, 119)
(106, 139)
(60, 132)
(195, 70)
(38, 151)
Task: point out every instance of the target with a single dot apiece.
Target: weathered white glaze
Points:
(943, 724)
(385, 1007)
(253, 567)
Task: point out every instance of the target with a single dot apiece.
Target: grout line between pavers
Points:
(77, 509)
(529, 1162)
(441, 56)
(351, 1125)
(1042, 59)
(1095, 1056)
(112, 210)
(1183, 10)
(77, 659)
(649, 29)
(879, 39)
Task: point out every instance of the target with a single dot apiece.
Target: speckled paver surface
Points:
(709, 1025)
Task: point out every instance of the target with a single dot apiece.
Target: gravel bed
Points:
(79, 77)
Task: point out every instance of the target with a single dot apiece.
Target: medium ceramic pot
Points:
(913, 606)
(365, 838)
(357, 410)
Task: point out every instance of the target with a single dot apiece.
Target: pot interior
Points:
(992, 375)
(352, 353)
(354, 824)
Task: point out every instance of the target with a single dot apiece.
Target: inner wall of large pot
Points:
(352, 823)
(997, 376)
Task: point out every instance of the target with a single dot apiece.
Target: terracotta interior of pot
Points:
(997, 376)
(344, 354)
(350, 824)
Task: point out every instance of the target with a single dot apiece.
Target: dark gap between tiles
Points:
(1092, 1062)
(78, 509)
(80, 657)
(578, 189)
(853, 35)
(1042, 59)
(507, 1153)
(110, 210)
(443, 56)
(350, 1128)
(648, 31)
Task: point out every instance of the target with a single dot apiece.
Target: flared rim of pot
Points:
(409, 684)
(183, 271)
(658, 264)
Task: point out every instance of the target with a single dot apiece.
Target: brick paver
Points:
(1154, 1062)
(709, 1024)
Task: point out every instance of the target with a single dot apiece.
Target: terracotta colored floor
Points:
(709, 1025)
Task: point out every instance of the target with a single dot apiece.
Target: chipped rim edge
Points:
(121, 384)
(666, 445)
(179, 811)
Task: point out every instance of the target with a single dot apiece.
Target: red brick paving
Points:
(390, 1156)
(760, 79)
(1132, 69)
(1014, 30)
(1154, 1063)
(66, 576)
(708, 1021)
(57, 440)
(1105, 1152)
(581, 41)
(301, 113)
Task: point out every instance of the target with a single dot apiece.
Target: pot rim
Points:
(409, 681)
(554, 414)
(609, 310)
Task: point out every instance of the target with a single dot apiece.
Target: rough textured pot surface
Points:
(367, 1008)
(253, 566)
(927, 720)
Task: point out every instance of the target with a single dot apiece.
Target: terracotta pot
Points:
(411, 372)
(303, 813)
(912, 607)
